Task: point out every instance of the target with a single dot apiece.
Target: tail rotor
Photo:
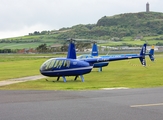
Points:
(151, 54)
(143, 54)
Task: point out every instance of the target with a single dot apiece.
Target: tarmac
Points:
(113, 104)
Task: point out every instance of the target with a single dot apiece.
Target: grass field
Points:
(21, 42)
(134, 43)
(128, 73)
(36, 44)
(15, 66)
(21, 45)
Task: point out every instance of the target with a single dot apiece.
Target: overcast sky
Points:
(20, 17)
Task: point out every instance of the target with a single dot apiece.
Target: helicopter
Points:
(71, 66)
(94, 54)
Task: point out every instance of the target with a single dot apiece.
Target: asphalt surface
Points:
(125, 104)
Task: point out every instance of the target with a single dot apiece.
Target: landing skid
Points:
(100, 69)
(81, 76)
(76, 77)
(58, 78)
(64, 78)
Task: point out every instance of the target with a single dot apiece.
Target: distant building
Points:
(27, 50)
(147, 7)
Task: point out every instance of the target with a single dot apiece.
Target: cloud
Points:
(25, 30)
(22, 15)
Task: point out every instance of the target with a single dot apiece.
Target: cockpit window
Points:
(66, 63)
(62, 63)
(54, 63)
(84, 56)
(51, 64)
(58, 63)
(48, 64)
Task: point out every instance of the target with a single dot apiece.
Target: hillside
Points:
(123, 25)
(130, 25)
(143, 23)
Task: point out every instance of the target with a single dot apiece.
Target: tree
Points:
(36, 33)
(42, 48)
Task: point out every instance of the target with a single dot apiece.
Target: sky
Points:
(21, 17)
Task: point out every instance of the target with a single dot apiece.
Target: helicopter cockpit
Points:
(55, 63)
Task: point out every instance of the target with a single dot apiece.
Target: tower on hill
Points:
(147, 7)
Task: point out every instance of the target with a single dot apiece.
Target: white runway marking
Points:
(118, 88)
(147, 105)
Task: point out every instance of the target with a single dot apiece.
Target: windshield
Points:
(55, 63)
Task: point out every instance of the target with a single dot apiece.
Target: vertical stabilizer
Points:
(94, 49)
(143, 50)
(71, 51)
(142, 54)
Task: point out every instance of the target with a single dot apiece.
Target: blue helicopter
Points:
(70, 66)
(94, 54)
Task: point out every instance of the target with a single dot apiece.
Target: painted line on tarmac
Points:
(118, 88)
(147, 105)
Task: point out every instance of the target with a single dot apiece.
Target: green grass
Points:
(20, 65)
(21, 45)
(26, 37)
(137, 42)
(118, 74)
(113, 43)
(49, 41)
(20, 68)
